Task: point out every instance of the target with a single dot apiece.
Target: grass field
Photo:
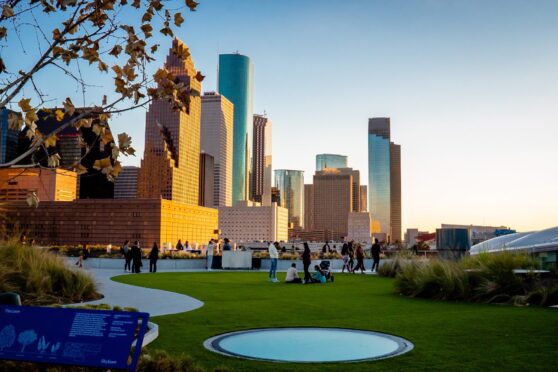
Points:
(447, 336)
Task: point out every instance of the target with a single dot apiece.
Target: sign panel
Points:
(93, 338)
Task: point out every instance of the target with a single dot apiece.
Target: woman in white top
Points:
(273, 255)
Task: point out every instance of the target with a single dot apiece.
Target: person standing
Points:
(209, 254)
(306, 261)
(274, 256)
(127, 256)
(153, 257)
(376, 249)
(136, 257)
(360, 259)
(345, 255)
(179, 245)
(227, 246)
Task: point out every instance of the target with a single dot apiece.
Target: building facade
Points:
(170, 166)
(291, 188)
(207, 172)
(384, 180)
(235, 83)
(126, 184)
(330, 161)
(8, 137)
(360, 225)
(261, 160)
(48, 184)
(308, 207)
(217, 141)
(363, 198)
(102, 221)
(333, 201)
(249, 221)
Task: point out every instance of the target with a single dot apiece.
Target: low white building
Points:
(360, 227)
(250, 221)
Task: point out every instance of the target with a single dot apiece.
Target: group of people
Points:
(351, 250)
(133, 255)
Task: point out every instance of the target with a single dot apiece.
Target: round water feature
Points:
(309, 345)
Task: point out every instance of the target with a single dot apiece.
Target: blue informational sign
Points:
(93, 338)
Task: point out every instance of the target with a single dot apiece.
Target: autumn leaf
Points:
(79, 169)
(102, 163)
(31, 130)
(32, 199)
(54, 161)
(3, 32)
(2, 66)
(154, 48)
(98, 129)
(59, 115)
(69, 106)
(115, 151)
(85, 123)
(102, 66)
(192, 5)
(116, 50)
(124, 140)
(50, 141)
(24, 104)
(56, 34)
(15, 121)
(130, 151)
(178, 19)
(31, 117)
(200, 77)
(7, 11)
(146, 28)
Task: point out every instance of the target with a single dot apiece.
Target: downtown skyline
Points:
(467, 84)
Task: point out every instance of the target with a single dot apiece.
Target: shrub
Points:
(42, 278)
(160, 360)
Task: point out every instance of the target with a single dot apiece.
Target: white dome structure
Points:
(530, 242)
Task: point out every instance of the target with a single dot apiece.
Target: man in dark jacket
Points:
(136, 257)
(376, 255)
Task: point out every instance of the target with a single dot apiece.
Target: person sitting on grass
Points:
(319, 276)
(292, 275)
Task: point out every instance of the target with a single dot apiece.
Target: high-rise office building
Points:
(207, 180)
(291, 188)
(330, 161)
(261, 160)
(395, 191)
(363, 198)
(384, 180)
(8, 137)
(126, 184)
(275, 195)
(309, 207)
(170, 167)
(333, 201)
(217, 141)
(356, 186)
(235, 83)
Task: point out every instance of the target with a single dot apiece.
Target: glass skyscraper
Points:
(291, 189)
(235, 83)
(330, 161)
(379, 172)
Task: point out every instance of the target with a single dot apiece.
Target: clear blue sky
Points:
(471, 87)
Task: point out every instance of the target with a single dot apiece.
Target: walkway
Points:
(153, 301)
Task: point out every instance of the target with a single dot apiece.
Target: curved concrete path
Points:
(153, 301)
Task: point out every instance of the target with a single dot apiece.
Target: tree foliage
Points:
(98, 33)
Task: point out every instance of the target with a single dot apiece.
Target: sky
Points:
(471, 88)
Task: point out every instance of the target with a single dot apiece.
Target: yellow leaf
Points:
(24, 104)
(69, 106)
(104, 117)
(115, 151)
(50, 141)
(178, 20)
(79, 169)
(98, 129)
(32, 199)
(15, 121)
(31, 116)
(124, 140)
(85, 123)
(59, 115)
(54, 161)
(102, 163)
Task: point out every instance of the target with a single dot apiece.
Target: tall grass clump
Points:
(486, 278)
(41, 278)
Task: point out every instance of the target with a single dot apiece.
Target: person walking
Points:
(125, 250)
(209, 254)
(153, 257)
(83, 255)
(376, 249)
(351, 256)
(306, 261)
(360, 259)
(274, 256)
(136, 257)
(345, 255)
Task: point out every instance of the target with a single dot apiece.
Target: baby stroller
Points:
(324, 267)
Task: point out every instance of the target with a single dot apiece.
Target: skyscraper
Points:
(291, 187)
(356, 186)
(309, 207)
(384, 180)
(235, 83)
(8, 138)
(217, 141)
(330, 161)
(363, 198)
(170, 167)
(207, 180)
(333, 201)
(126, 184)
(261, 161)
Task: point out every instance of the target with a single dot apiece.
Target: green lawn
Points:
(447, 336)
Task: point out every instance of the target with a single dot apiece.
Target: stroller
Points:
(324, 267)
